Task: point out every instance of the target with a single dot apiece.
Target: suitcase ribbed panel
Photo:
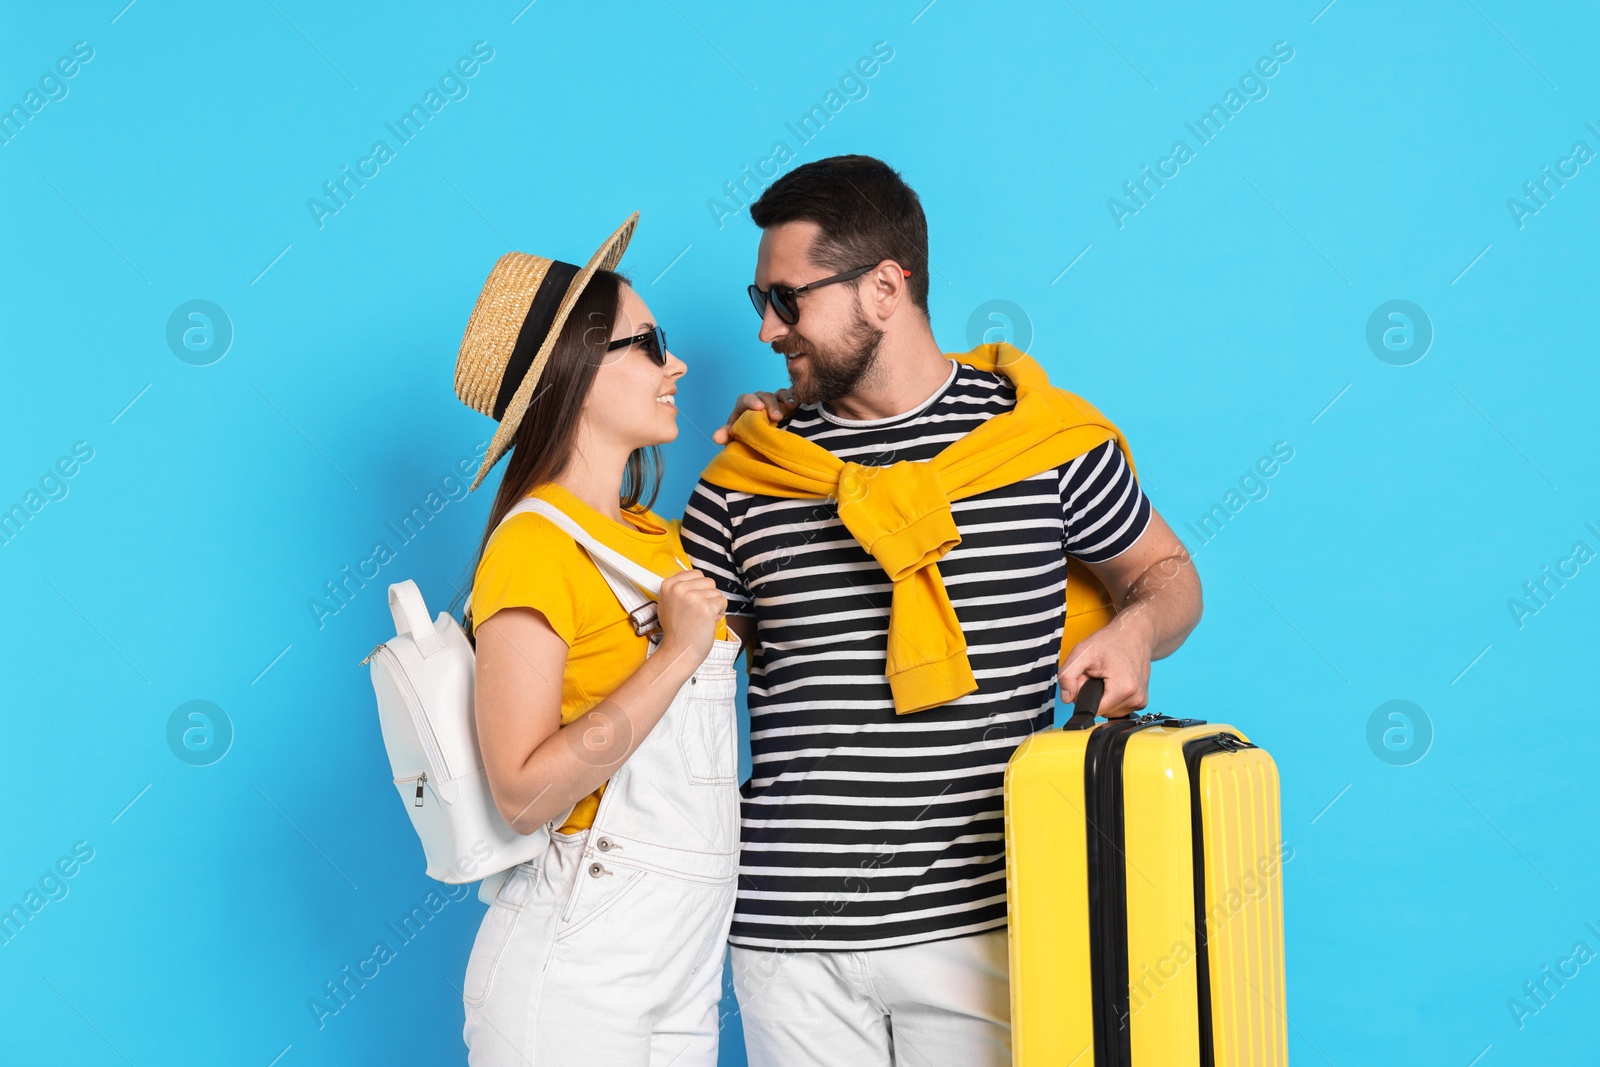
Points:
(1244, 907)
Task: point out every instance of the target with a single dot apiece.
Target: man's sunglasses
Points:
(653, 340)
(782, 297)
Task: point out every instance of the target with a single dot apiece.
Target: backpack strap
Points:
(628, 581)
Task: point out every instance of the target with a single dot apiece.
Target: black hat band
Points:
(535, 328)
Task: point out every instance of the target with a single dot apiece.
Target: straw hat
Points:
(513, 328)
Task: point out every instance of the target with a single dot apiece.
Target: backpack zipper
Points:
(430, 743)
(420, 778)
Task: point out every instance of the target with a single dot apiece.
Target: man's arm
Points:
(707, 532)
(1157, 592)
(1110, 526)
(744, 626)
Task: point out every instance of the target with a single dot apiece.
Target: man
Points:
(870, 924)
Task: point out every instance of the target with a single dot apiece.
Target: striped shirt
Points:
(864, 829)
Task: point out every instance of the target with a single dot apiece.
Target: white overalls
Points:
(608, 948)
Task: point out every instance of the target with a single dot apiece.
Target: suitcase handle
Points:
(1087, 705)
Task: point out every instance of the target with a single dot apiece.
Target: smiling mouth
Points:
(668, 399)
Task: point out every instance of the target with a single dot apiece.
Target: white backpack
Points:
(423, 678)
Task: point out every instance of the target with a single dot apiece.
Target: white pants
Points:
(930, 1005)
(598, 976)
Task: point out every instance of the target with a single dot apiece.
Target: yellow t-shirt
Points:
(530, 562)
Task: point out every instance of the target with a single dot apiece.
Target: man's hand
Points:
(777, 404)
(1157, 593)
(1120, 654)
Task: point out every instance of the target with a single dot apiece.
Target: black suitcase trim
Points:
(1104, 813)
(1108, 889)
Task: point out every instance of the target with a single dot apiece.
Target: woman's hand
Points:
(688, 610)
(777, 404)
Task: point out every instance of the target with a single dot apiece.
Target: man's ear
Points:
(889, 289)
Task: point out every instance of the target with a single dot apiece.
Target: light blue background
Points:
(1225, 316)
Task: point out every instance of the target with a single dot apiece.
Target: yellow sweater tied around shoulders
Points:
(900, 513)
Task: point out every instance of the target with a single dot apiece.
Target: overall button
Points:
(604, 844)
(596, 870)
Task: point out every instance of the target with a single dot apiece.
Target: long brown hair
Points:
(543, 445)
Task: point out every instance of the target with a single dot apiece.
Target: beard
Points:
(831, 371)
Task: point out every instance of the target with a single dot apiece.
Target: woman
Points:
(608, 947)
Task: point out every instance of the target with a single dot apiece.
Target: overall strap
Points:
(628, 581)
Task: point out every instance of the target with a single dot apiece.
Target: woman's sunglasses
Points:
(782, 297)
(653, 340)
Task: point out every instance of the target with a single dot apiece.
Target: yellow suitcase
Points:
(1144, 886)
